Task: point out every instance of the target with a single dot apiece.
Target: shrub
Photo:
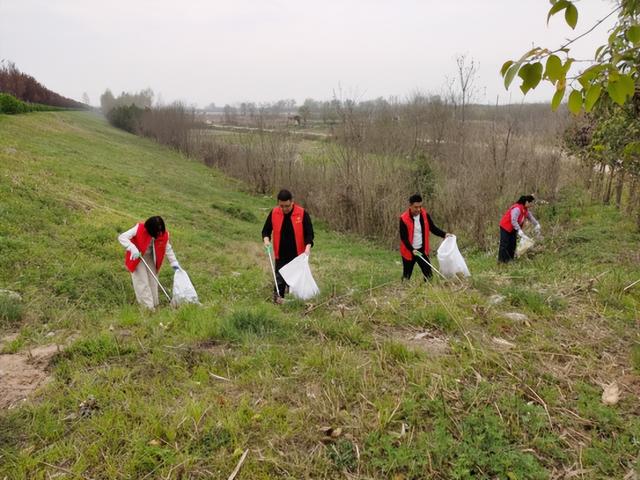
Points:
(11, 105)
(125, 117)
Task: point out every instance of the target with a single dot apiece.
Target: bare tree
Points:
(467, 73)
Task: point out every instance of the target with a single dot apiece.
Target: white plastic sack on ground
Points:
(183, 291)
(524, 244)
(450, 258)
(298, 276)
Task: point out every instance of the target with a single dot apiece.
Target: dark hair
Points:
(416, 197)
(284, 195)
(525, 198)
(154, 226)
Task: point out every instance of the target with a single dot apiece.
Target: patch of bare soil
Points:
(22, 373)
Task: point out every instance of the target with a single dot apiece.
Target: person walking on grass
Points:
(290, 228)
(148, 241)
(511, 227)
(415, 227)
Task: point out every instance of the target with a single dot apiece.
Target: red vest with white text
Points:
(142, 240)
(505, 223)
(408, 221)
(277, 217)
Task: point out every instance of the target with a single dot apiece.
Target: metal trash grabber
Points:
(421, 257)
(273, 270)
(156, 278)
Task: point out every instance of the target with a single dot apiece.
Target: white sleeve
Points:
(515, 213)
(532, 219)
(125, 238)
(168, 251)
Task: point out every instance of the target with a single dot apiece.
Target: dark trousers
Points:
(282, 285)
(507, 249)
(407, 266)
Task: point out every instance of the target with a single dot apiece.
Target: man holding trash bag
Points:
(147, 244)
(290, 226)
(511, 227)
(415, 227)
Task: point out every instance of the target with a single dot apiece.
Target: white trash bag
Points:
(524, 245)
(450, 259)
(183, 290)
(298, 276)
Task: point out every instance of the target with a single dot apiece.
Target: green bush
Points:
(125, 117)
(11, 105)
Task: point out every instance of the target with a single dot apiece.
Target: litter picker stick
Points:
(155, 277)
(273, 270)
(432, 267)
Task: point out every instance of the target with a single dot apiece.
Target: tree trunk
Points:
(633, 195)
(607, 194)
(597, 183)
(588, 178)
(620, 187)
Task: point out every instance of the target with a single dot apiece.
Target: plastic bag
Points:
(450, 258)
(524, 244)
(298, 276)
(183, 290)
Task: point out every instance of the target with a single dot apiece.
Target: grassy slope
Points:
(69, 183)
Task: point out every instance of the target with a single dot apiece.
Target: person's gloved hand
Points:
(522, 235)
(134, 252)
(537, 229)
(176, 267)
(307, 250)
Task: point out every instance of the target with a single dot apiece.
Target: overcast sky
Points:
(228, 51)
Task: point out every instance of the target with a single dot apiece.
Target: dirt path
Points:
(24, 372)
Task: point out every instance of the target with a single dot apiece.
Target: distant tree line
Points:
(135, 112)
(27, 89)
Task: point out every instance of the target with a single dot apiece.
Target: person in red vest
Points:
(148, 240)
(511, 227)
(415, 227)
(290, 226)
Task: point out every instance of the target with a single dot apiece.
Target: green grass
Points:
(182, 393)
(11, 311)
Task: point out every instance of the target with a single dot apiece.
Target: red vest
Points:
(142, 240)
(505, 223)
(408, 221)
(277, 217)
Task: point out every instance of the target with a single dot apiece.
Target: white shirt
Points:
(416, 242)
(125, 241)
